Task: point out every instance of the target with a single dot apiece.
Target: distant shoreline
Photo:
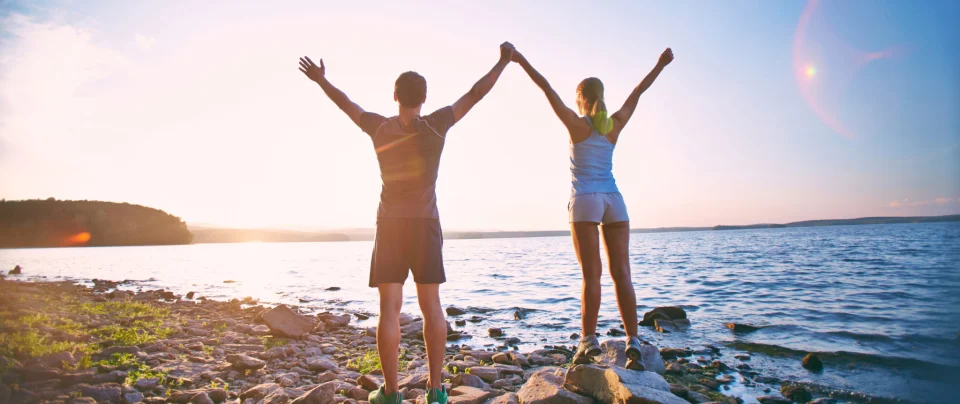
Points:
(210, 235)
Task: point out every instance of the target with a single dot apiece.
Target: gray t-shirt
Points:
(408, 161)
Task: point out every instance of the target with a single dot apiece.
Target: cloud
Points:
(145, 42)
(906, 202)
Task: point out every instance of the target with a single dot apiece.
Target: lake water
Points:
(886, 297)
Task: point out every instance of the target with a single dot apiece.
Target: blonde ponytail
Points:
(598, 116)
(590, 94)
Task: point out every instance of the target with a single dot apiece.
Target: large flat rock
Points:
(284, 322)
(544, 388)
(618, 385)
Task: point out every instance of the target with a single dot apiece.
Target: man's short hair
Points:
(410, 89)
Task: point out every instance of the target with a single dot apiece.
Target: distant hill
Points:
(876, 220)
(53, 223)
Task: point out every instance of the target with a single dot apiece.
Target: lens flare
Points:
(78, 239)
(816, 45)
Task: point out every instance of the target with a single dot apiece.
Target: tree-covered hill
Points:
(53, 223)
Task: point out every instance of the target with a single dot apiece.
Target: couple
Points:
(409, 238)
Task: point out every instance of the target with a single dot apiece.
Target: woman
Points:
(595, 200)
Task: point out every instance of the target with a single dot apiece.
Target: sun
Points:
(810, 71)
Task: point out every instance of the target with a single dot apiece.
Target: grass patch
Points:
(370, 361)
(123, 310)
(30, 344)
(271, 342)
(140, 332)
(135, 369)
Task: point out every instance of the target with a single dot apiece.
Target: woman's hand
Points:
(665, 58)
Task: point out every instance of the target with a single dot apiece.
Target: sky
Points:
(771, 112)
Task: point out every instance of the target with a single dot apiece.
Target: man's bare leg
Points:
(388, 333)
(434, 331)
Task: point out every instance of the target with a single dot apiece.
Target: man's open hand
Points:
(312, 71)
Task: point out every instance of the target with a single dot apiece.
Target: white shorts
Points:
(598, 208)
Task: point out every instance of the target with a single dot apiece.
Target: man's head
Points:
(410, 90)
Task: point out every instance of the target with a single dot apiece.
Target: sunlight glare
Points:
(79, 238)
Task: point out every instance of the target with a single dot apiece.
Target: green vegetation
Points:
(145, 321)
(712, 394)
(272, 342)
(135, 369)
(370, 361)
(53, 223)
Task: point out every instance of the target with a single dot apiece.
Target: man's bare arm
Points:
(318, 74)
(484, 85)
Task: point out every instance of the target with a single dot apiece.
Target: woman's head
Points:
(590, 103)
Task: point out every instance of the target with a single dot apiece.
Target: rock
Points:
(796, 393)
(651, 360)
(55, 360)
(287, 379)
(107, 392)
(773, 400)
(612, 353)
(453, 311)
(742, 356)
(674, 369)
(405, 319)
(322, 394)
(616, 332)
(190, 295)
(812, 362)
(333, 288)
(15, 271)
(679, 390)
(471, 380)
(320, 364)
(278, 396)
(665, 313)
(77, 400)
(519, 314)
(697, 397)
(503, 358)
(824, 400)
(544, 388)
(509, 398)
(488, 374)
(334, 321)
(737, 327)
(666, 326)
(132, 350)
(460, 323)
(287, 323)
(495, 332)
(468, 395)
(414, 381)
(201, 398)
(620, 385)
(725, 379)
(259, 391)
(475, 319)
(368, 382)
(244, 362)
(146, 384)
(672, 353)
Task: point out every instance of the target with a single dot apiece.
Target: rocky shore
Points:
(68, 343)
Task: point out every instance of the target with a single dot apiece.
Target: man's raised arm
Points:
(483, 86)
(317, 74)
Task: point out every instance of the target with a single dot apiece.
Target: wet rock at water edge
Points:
(663, 313)
(812, 363)
(15, 271)
(616, 332)
(460, 323)
(495, 332)
(796, 393)
(737, 327)
(519, 314)
(773, 400)
(332, 289)
(475, 319)
(453, 311)
(667, 326)
(190, 295)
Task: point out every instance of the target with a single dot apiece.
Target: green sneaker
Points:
(437, 396)
(381, 397)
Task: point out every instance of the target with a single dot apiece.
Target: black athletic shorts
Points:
(404, 245)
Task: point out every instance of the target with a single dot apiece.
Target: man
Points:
(409, 237)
